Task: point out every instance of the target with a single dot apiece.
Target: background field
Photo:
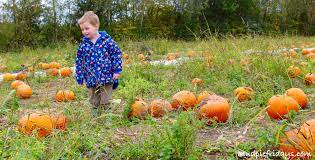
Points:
(246, 61)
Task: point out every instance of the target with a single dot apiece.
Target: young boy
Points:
(98, 62)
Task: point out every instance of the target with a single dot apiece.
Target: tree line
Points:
(46, 22)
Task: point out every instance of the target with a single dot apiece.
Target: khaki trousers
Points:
(101, 95)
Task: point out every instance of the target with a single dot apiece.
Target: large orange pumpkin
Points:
(186, 99)
(64, 95)
(16, 83)
(214, 107)
(52, 72)
(280, 105)
(244, 93)
(159, 107)
(8, 77)
(54, 65)
(24, 91)
(66, 71)
(42, 123)
(139, 109)
(298, 95)
(293, 143)
(309, 79)
(294, 71)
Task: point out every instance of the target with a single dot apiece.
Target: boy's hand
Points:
(116, 76)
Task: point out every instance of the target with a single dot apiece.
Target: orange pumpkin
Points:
(202, 96)
(54, 65)
(244, 93)
(309, 79)
(208, 60)
(125, 56)
(141, 57)
(197, 81)
(21, 76)
(298, 95)
(8, 77)
(52, 72)
(16, 83)
(44, 66)
(42, 123)
(294, 71)
(139, 109)
(310, 56)
(280, 105)
(294, 143)
(292, 53)
(66, 71)
(60, 122)
(172, 56)
(214, 107)
(24, 91)
(186, 99)
(191, 54)
(306, 51)
(159, 107)
(64, 96)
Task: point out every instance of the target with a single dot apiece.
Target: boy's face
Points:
(89, 30)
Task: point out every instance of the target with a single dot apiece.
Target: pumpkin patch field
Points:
(229, 98)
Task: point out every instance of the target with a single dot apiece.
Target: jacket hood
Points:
(103, 34)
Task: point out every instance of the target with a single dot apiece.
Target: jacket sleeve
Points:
(79, 66)
(115, 56)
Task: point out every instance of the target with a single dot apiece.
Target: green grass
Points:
(178, 135)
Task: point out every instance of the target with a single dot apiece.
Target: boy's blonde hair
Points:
(89, 17)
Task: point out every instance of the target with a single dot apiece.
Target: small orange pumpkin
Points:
(64, 96)
(203, 95)
(298, 95)
(214, 107)
(294, 71)
(309, 79)
(44, 66)
(24, 91)
(43, 124)
(125, 56)
(280, 105)
(60, 122)
(21, 76)
(159, 107)
(244, 93)
(66, 71)
(8, 77)
(52, 72)
(16, 83)
(141, 57)
(292, 53)
(197, 81)
(54, 65)
(191, 54)
(186, 99)
(306, 51)
(139, 109)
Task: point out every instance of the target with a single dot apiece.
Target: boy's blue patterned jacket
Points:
(96, 63)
